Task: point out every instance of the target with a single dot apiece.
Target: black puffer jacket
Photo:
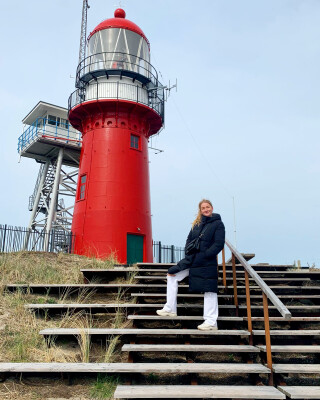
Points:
(203, 275)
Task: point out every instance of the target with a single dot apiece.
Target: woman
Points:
(201, 266)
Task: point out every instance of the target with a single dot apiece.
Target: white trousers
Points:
(210, 306)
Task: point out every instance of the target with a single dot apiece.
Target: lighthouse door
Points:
(134, 248)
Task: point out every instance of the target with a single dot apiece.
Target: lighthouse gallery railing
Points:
(107, 62)
(119, 91)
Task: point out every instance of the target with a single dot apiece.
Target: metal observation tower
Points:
(117, 106)
(49, 138)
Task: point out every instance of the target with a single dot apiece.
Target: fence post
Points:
(4, 237)
(172, 253)
(70, 243)
(159, 252)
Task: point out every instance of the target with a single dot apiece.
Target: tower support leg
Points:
(36, 203)
(53, 202)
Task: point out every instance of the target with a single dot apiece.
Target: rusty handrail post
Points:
(224, 273)
(260, 282)
(235, 291)
(267, 335)
(248, 306)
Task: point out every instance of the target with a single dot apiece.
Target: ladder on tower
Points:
(45, 198)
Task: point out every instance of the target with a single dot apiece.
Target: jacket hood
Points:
(214, 217)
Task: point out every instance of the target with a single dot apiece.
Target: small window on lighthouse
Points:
(82, 189)
(135, 142)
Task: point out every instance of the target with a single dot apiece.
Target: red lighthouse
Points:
(118, 105)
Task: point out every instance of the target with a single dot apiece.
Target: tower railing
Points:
(119, 91)
(49, 129)
(100, 64)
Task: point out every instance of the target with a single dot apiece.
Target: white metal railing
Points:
(119, 91)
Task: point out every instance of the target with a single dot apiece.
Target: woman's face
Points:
(206, 209)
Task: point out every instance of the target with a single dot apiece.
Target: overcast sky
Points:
(244, 124)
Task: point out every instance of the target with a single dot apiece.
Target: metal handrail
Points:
(267, 293)
(260, 282)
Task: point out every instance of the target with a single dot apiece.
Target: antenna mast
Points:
(83, 35)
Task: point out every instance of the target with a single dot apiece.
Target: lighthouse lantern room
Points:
(117, 106)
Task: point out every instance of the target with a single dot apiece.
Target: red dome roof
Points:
(119, 21)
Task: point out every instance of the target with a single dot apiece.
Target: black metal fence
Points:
(16, 238)
(167, 254)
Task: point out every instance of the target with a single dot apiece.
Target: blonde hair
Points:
(198, 217)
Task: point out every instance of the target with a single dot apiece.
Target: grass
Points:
(20, 340)
(36, 267)
(104, 387)
(111, 353)
(19, 328)
(48, 388)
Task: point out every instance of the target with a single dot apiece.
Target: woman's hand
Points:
(171, 274)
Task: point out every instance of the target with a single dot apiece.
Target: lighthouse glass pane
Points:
(118, 40)
(133, 41)
(116, 48)
(98, 44)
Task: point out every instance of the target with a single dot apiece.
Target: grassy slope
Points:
(19, 329)
(27, 267)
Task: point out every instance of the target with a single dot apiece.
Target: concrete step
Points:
(181, 318)
(101, 308)
(227, 296)
(139, 332)
(267, 279)
(304, 272)
(181, 368)
(197, 392)
(292, 349)
(296, 368)
(222, 318)
(301, 392)
(69, 288)
(281, 319)
(190, 348)
(288, 332)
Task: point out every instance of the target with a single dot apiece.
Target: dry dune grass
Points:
(19, 328)
(20, 340)
(38, 267)
(48, 389)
